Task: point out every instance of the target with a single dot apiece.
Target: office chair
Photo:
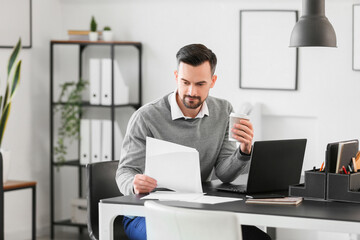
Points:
(166, 222)
(102, 184)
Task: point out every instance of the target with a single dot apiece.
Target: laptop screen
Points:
(275, 165)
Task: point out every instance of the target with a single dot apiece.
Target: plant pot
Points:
(107, 35)
(6, 163)
(93, 36)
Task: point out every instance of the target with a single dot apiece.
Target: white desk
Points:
(311, 215)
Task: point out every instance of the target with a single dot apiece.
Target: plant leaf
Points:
(14, 55)
(1, 98)
(6, 95)
(16, 79)
(3, 121)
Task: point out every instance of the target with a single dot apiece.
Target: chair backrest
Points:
(166, 222)
(101, 184)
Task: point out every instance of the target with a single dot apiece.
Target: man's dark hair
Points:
(195, 55)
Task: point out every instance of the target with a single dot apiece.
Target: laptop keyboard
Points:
(233, 188)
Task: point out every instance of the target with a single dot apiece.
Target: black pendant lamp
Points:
(313, 29)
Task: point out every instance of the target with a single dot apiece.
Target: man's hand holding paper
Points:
(143, 184)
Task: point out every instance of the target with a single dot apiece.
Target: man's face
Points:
(194, 83)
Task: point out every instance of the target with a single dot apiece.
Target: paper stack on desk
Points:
(174, 166)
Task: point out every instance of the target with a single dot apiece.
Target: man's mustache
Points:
(196, 97)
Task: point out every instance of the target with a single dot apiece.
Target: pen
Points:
(321, 168)
(344, 170)
(350, 169)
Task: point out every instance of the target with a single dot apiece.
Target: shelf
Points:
(87, 104)
(68, 223)
(114, 109)
(73, 163)
(77, 42)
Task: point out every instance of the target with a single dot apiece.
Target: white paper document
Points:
(215, 200)
(174, 166)
(188, 197)
(172, 196)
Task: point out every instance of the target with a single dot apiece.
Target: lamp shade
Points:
(313, 28)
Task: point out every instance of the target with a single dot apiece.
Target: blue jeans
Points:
(135, 229)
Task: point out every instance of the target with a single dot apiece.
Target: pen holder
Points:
(344, 187)
(314, 186)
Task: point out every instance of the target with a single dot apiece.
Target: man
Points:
(189, 117)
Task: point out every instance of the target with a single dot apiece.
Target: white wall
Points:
(324, 109)
(27, 134)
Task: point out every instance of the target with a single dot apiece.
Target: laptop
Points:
(274, 166)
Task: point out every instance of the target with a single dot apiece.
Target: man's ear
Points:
(176, 75)
(213, 80)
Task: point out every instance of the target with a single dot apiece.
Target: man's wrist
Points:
(244, 154)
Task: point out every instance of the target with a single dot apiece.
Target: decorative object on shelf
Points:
(313, 28)
(107, 34)
(80, 35)
(266, 61)
(13, 71)
(70, 111)
(356, 37)
(93, 34)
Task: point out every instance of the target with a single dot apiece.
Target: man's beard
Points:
(193, 104)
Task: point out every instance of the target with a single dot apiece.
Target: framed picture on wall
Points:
(16, 22)
(356, 37)
(266, 60)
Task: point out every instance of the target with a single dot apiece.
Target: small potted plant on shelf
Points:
(93, 34)
(107, 34)
(13, 71)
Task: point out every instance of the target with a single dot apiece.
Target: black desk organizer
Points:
(344, 187)
(328, 186)
(314, 186)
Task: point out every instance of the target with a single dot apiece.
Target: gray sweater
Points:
(209, 135)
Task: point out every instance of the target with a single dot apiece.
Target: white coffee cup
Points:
(233, 119)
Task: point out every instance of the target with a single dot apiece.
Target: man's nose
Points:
(191, 91)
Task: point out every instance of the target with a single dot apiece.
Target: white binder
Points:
(106, 81)
(84, 141)
(95, 140)
(106, 141)
(121, 90)
(94, 80)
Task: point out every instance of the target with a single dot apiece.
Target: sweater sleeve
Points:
(132, 160)
(230, 162)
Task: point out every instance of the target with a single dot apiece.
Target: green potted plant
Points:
(70, 112)
(93, 34)
(13, 72)
(107, 34)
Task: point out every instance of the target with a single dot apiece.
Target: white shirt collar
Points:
(176, 112)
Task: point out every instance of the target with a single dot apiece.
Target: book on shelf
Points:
(278, 201)
(81, 35)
